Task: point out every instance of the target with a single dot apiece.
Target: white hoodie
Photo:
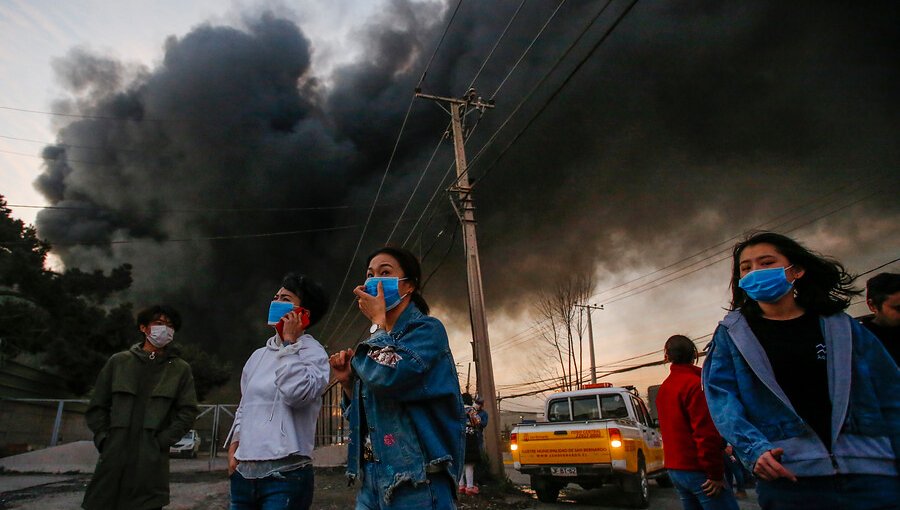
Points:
(281, 390)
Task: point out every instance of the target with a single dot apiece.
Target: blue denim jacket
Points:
(753, 413)
(409, 387)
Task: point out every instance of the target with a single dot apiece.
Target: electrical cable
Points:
(506, 343)
(193, 209)
(468, 136)
(440, 41)
(207, 238)
(527, 49)
(541, 82)
(497, 43)
(416, 187)
(330, 315)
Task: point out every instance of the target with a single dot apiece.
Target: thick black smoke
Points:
(690, 124)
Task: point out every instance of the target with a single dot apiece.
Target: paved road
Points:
(609, 498)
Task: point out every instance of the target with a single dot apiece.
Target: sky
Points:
(687, 128)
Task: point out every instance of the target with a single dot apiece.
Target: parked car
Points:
(594, 436)
(187, 446)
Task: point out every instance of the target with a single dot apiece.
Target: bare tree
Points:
(559, 323)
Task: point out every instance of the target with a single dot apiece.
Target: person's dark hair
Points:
(151, 313)
(681, 349)
(825, 288)
(881, 286)
(312, 296)
(411, 270)
(467, 399)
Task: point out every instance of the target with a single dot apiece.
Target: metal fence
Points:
(213, 422)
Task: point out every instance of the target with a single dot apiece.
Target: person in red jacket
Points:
(692, 445)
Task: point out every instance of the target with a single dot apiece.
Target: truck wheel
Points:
(640, 498)
(546, 490)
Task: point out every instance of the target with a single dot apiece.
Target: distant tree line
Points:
(69, 318)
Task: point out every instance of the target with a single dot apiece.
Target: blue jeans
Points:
(688, 483)
(292, 490)
(840, 492)
(438, 494)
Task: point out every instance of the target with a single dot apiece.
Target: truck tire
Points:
(545, 488)
(639, 495)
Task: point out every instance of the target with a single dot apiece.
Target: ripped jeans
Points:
(438, 494)
(291, 490)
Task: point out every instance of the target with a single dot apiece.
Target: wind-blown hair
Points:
(826, 287)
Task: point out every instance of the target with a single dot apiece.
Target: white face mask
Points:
(160, 336)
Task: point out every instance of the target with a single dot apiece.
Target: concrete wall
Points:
(26, 426)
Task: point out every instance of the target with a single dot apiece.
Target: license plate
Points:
(564, 471)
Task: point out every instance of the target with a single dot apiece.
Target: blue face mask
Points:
(277, 310)
(391, 287)
(766, 285)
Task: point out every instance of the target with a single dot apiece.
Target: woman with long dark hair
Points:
(401, 394)
(809, 399)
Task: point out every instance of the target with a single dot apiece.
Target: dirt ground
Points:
(208, 491)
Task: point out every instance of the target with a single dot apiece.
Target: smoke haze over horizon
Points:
(688, 126)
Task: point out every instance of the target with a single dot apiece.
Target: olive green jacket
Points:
(139, 408)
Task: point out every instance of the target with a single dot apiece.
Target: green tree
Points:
(69, 317)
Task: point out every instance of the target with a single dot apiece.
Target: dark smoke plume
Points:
(689, 125)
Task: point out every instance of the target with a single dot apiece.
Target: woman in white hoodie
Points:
(271, 442)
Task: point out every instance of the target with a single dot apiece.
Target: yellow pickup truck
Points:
(594, 436)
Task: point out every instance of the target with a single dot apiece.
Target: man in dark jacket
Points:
(692, 444)
(883, 299)
(143, 402)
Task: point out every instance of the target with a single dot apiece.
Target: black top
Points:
(890, 337)
(796, 351)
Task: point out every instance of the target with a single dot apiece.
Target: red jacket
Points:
(690, 439)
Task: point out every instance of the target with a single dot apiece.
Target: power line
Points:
(653, 363)
(483, 64)
(528, 48)
(544, 79)
(440, 41)
(521, 336)
(497, 43)
(84, 116)
(416, 187)
(634, 292)
(190, 210)
(67, 160)
(879, 267)
(362, 236)
(207, 238)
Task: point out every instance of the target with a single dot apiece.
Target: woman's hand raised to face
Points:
(340, 366)
(372, 307)
(293, 327)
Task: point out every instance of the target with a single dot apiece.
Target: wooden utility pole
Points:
(465, 210)
(591, 308)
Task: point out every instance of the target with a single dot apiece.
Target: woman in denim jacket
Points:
(401, 394)
(808, 398)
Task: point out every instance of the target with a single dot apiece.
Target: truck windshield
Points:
(613, 406)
